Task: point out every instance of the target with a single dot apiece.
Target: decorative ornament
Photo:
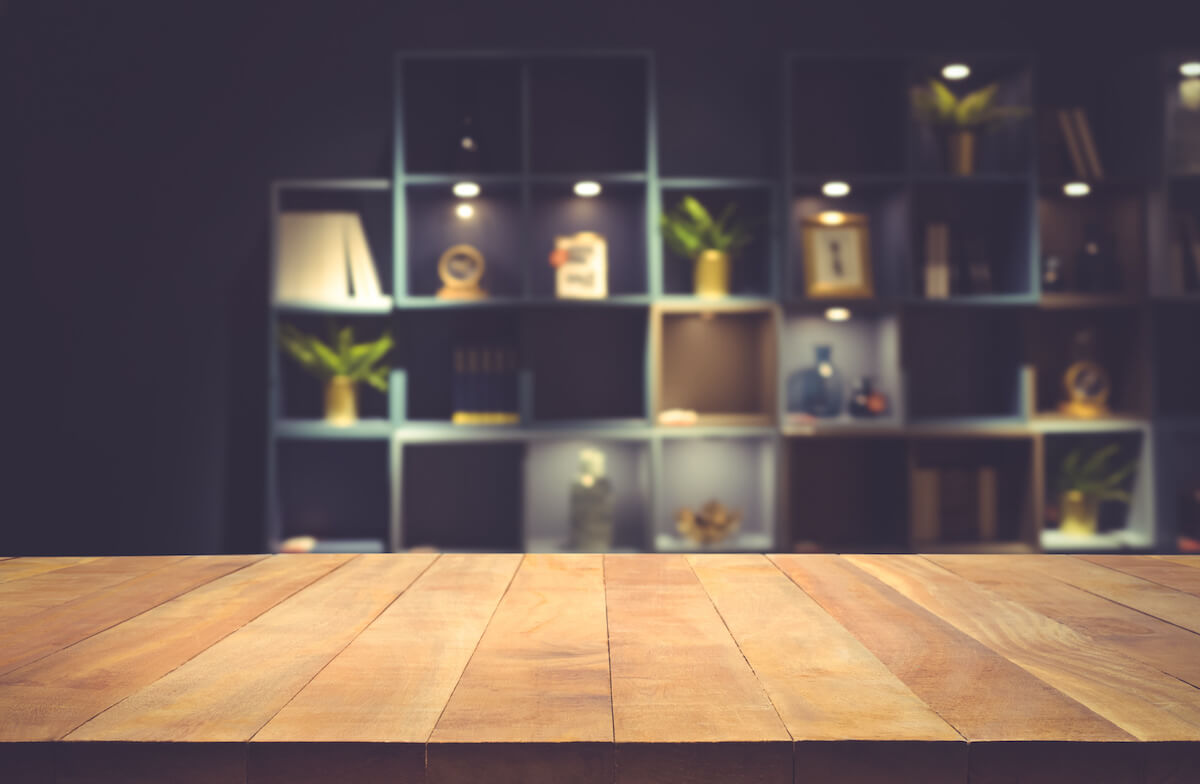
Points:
(712, 523)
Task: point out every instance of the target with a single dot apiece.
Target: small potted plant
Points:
(957, 121)
(1085, 480)
(690, 231)
(341, 364)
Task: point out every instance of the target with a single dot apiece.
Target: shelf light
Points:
(835, 189)
(466, 190)
(1077, 189)
(587, 188)
(464, 211)
(837, 314)
(1190, 68)
(832, 218)
(956, 71)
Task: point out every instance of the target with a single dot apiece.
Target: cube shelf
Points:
(739, 473)
(965, 456)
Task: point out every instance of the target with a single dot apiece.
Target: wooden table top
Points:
(590, 668)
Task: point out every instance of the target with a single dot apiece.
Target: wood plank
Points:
(23, 598)
(390, 685)
(1174, 607)
(1165, 646)
(150, 763)
(52, 630)
(228, 692)
(826, 686)
(1135, 696)
(17, 568)
(943, 666)
(534, 703)
(1185, 560)
(686, 705)
(1172, 575)
(47, 699)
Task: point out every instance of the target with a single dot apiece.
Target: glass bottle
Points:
(866, 401)
(591, 507)
(817, 390)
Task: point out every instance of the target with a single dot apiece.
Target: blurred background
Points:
(142, 140)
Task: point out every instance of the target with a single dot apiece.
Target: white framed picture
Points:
(581, 266)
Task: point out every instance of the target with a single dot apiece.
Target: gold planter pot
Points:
(1080, 513)
(960, 152)
(711, 278)
(341, 401)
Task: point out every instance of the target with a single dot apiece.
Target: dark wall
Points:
(140, 140)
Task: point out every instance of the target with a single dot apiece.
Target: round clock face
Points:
(461, 266)
(1087, 382)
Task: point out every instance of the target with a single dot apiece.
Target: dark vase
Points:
(817, 390)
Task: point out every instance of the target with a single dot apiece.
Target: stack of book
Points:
(937, 260)
(323, 259)
(954, 504)
(485, 385)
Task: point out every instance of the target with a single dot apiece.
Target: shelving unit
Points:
(973, 379)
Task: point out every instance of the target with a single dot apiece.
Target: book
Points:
(311, 258)
(364, 280)
(1073, 147)
(937, 260)
(1087, 143)
(924, 517)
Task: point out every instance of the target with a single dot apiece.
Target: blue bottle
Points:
(817, 390)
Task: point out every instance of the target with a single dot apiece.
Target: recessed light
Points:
(1077, 189)
(1191, 68)
(464, 211)
(837, 314)
(466, 190)
(832, 218)
(587, 188)
(835, 189)
(956, 71)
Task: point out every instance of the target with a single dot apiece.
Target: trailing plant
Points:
(1090, 474)
(341, 356)
(936, 104)
(690, 229)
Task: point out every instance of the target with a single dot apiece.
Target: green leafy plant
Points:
(341, 356)
(690, 229)
(936, 104)
(1089, 473)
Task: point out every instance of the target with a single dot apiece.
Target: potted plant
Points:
(958, 120)
(341, 364)
(1085, 480)
(690, 231)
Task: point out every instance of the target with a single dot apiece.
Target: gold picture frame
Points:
(837, 255)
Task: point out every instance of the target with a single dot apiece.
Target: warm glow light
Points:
(466, 190)
(832, 218)
(835, 189)
(464, 211)
(837, 314)
(587, 188)
(1190, 68)
(1077, 189)
(956, 71)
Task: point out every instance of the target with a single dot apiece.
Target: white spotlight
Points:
(464, 211)
(587, 188)
(837, 314)
(1077, 189)
(956, 71)
(835, 189)
(466, 190)
(1191, 68)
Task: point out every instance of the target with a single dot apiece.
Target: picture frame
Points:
(837, 256)
(581, 266)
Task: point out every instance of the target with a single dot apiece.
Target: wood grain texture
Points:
(47, 699)
(1172, 606)
(53, 629)
(1144, 637)
(228, 692)
(1184, 560)
(825, 685)
(18, 568)
(34, 594)
(680, 681)
(1135, 696)
(539, 675)
(942, 665)
(1172, 575)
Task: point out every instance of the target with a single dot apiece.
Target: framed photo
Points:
(581, 266)
(837, 257)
